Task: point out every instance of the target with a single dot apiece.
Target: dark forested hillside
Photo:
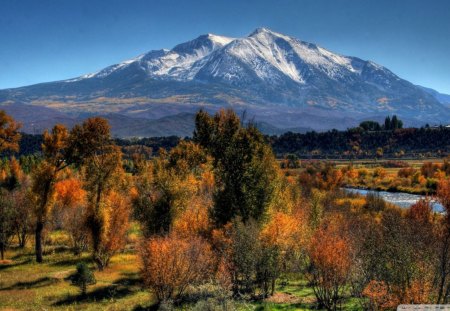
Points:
(359, 143)
(353, 143)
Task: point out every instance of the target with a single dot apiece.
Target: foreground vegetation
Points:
(212, 224)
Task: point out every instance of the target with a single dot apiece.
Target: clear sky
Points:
(47, 40)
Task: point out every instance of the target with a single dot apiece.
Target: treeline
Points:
(360, 143)
(30, 144)
(220, 221)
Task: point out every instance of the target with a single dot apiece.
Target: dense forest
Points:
(213, 223)
(369, 140)
(359, 143)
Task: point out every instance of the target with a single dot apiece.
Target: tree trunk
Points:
(22, 237)
(38, 244)
(2, 250)
(443, 268)
(96, 229)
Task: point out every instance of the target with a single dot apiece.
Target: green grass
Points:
(26, 285)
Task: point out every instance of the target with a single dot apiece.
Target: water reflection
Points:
(401, 199)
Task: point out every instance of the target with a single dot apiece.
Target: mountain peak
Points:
(222, 40)
(265, 31)
(260, 30)
(208, 41)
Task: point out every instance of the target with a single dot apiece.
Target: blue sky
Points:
(52, 40)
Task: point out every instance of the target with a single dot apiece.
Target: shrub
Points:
(329, 253)
(171, 264)
(374, 203)
(394, 164)
(83, 277)
(406, 172)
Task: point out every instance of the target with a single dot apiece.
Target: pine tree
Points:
(83, 277)
(387, 123)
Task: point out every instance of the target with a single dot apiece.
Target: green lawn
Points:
(26, 285)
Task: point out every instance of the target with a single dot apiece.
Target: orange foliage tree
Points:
(92, 148)
(194, 220)
(115, 223)
(329, 253)
(166, 187)
(44, 177)
(170, 264)
(71, 202)
(289, 233)
(9, 133)
(379, 296)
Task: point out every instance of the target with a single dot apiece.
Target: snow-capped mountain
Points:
(181, 63)
(279, 80)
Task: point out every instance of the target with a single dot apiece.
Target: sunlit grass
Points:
(26, 285)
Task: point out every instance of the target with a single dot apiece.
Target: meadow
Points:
(26, 285)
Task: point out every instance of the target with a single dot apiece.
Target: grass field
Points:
(26, 285)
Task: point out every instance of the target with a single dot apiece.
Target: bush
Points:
(406, 172)
(394, 164)
(330, 263)
(374, 203)
(171, 264)
(83, 277)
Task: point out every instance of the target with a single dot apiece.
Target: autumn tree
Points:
(194, 220)
(115, 223)
(71, 203)
(15, 188)
(379, 297)
(23, 203)
(54, 149)
(329, 254)
(289, 233)
(400, 251)
(18, 184)
(7, 216)
(245, 255)
(244, 166)
(92, 148)
(170, 264)
(9, 140)
(166, 186)
(9, 135)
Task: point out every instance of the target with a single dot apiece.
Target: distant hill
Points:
(442, 98)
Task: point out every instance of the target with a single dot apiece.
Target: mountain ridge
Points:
(279, 80)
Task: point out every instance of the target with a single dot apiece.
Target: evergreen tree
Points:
(394, 123)
(387, 123)
(83, 277)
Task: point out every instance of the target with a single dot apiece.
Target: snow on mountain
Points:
(278, 79)
(181, 63)
(265, 52)
(263, 56)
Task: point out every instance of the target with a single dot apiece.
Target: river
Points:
(401, 199)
